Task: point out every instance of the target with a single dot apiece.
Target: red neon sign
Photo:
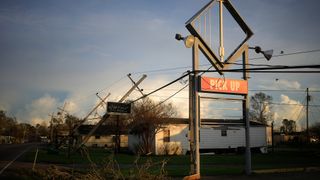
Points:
(222, 85)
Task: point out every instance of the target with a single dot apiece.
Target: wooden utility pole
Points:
(307, 115)
(51, 128)
(106, 116)
(118, 131)
(93, 110)
(245, 110)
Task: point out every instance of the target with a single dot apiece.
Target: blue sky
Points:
(57, 51)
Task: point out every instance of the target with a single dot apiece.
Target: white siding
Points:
(258, 136)
(106, 141)
(178, 139)
(211, 138)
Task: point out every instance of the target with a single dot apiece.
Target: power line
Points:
(164, 86)
(285, 90)
(289, 54)
(189, 67)
(112, 84)
(267, 69)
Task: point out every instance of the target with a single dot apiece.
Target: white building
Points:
(215, 136)
(102, 137)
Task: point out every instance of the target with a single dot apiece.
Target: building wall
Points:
(178, 144)
(106, 141)
(210, 138)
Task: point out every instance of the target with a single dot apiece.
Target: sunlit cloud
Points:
(291, 110)
(39, 109)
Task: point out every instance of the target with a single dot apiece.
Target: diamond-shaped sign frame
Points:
(214, 60)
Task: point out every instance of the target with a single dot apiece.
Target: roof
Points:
(102, 130)
(230, 122)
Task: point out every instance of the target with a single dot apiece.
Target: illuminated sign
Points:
(222, 85)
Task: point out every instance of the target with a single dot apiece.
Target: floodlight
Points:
(179, 37)
(188, 40)
(267, 54)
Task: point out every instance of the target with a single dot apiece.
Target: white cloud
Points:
(279, 84)
(291, 112)
(287, 84)
(38, 110)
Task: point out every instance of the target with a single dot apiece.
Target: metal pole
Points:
(221, 31)
(245, 106)
(195, 109)
(191, 126)
(307, 116)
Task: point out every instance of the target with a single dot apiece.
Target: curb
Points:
(287, 170)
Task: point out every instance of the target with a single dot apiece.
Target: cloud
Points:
(287, 84)
(290, 109)
(38, 110)
(279, 84)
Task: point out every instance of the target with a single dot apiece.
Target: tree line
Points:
(11, 131)
(146, 120)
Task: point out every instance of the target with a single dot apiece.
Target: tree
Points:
(8, 125)
(288, 126)
(147, 120)
(119, 126)
(261, 108)
(70, 123)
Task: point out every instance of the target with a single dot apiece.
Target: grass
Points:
(179, 165)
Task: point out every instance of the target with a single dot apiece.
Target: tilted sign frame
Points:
(206, 50)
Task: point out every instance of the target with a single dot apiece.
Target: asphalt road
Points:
(11, 152)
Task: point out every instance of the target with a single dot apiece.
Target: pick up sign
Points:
(223, 85)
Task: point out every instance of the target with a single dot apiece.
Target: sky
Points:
(56, 52)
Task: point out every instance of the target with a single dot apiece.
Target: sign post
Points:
(195, 25)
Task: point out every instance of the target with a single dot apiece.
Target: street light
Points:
(267, 54)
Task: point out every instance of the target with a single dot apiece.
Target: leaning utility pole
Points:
(94, 109)
(106, 116)
(118, 131)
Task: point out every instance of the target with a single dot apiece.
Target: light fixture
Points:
(267, 54)
(188, 40)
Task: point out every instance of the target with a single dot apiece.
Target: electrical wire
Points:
(189, 67)
(290, 54)
(160, 88)
(111, 84)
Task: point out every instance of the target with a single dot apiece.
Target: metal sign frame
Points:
(194, 101)
(214, 60)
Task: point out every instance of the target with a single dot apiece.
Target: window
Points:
(166, 135)
(223, 132)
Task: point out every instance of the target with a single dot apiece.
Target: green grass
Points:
(179, 165)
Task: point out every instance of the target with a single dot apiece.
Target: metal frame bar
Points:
(235, 54)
